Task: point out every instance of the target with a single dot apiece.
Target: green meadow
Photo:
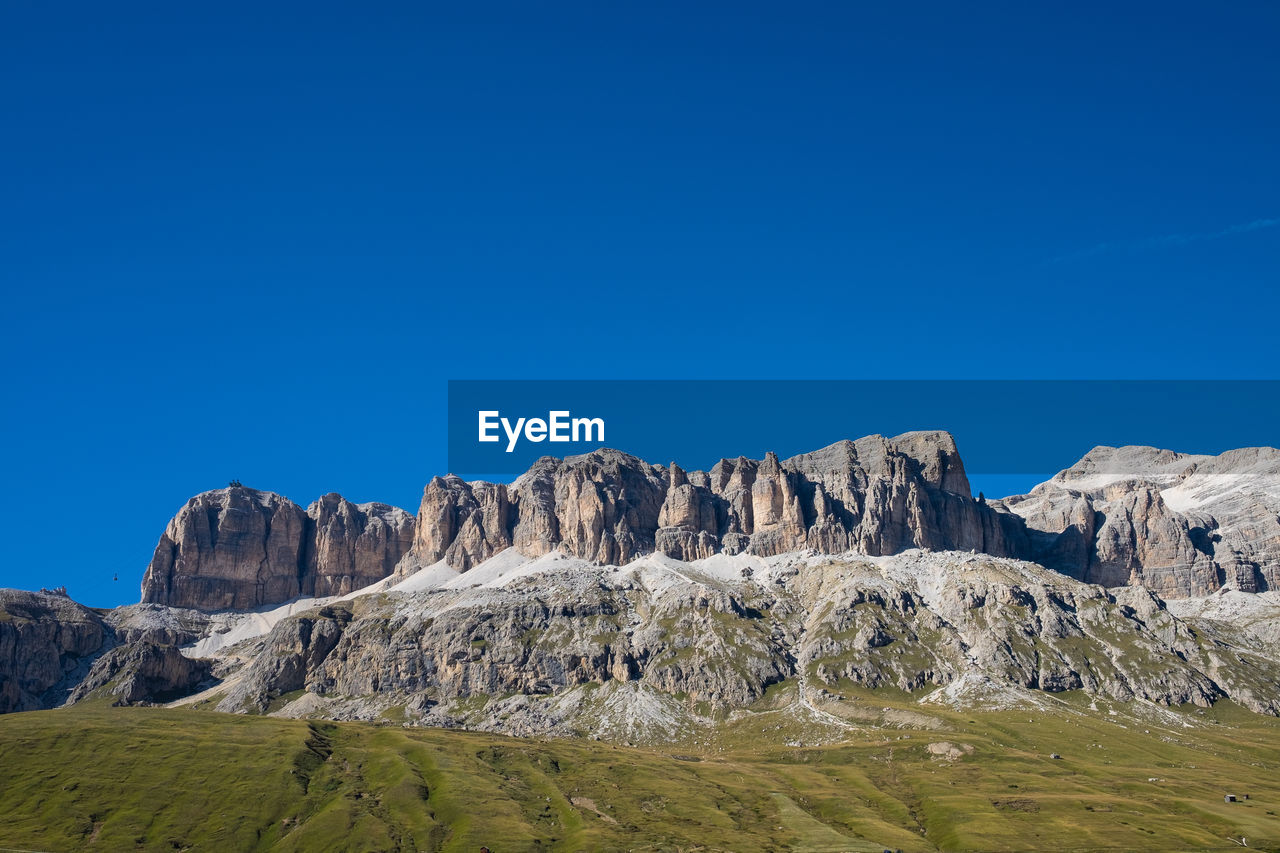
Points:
(99, 778)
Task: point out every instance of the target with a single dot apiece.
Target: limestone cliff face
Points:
(44, 639)
(1142, 542)
(603, 506)
(607, 506)
(881, 496)
(465, 523)
(876, 496)
(350, 546)
(689, 519)
(229, 548)
(240, 548)
(295, 648)
(1177, 524)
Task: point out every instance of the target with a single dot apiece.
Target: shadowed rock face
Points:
(44, 638)
(240, 548)
(141, 672)
(876, 496)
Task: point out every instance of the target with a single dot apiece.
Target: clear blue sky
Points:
(254, 240)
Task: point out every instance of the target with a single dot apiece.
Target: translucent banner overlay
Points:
(1002, 427)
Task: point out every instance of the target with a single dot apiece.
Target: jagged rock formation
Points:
(349, 546)
(240, 548)
(462, 523)
(53, 651)
(141, 672)
(44, 639)
(1177, 524)
(876, 496)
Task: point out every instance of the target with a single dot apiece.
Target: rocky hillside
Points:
(46, 643)
(141, 671)
(661, 647)
(54, 651)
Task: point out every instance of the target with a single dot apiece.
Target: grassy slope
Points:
(120, 779)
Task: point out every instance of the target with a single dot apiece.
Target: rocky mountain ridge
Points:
(1179, 525)
(600, 593)
(876, 495)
